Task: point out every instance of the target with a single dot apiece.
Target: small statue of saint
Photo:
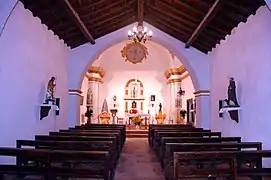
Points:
(88, 114)
(50, 91)
(133, 104)
(232, 100)
(89, 97)
(160, 107)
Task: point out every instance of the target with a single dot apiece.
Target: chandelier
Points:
(139, 33)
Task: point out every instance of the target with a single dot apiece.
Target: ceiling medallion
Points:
(134, 52)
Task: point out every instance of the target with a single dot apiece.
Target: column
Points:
(202, 109)
(95, 75)
(174, 78)
(74, 107)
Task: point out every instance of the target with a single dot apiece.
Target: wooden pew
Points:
(159, 135)
(97, 130)
(98, 162)
(47, 173)
(232, 171)
(165, 126)
(79, 138)
(76, 146)
(167, 160)
(164, 140)
(155, 132)
(103, 126)
(101, 134)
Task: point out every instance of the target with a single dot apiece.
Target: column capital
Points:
(202, 93)
(95, 74)
(176, 75)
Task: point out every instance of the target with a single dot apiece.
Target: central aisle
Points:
(137, 162)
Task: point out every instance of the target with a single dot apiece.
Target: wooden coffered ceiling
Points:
(198, 23)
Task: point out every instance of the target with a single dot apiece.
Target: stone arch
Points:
(140, 84)
(196, 63)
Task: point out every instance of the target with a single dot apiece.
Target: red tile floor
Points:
(137, 162)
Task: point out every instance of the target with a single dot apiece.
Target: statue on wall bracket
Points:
(232, 105)
(50, 98)
(232, 100)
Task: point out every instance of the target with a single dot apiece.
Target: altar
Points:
(129, 116)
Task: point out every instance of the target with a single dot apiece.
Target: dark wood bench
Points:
(96, 162)
(171, 133)
(164, 140)
(167, 159)
(159, 135)
(79, 138)
(101, 134)
(104, 127)
(251, 167)
(97, 130)
(152, 127)
(73, 145)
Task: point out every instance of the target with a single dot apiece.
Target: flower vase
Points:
(137, 127)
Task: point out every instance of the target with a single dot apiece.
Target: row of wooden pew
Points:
(87, 151)
(188, 152)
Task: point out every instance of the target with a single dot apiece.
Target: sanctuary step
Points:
(136, 133)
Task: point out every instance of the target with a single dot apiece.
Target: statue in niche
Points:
(50, 98)
(133, 104)
(134, 90)
(232, 100)
(89, 97)
(160, 107)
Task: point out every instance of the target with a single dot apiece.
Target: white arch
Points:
(196, 63)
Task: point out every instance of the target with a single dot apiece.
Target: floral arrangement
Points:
(137, 120)
(183, 113)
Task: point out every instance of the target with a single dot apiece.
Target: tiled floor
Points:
(137, 162)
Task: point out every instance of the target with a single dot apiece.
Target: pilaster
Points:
(174, 78)
(202, 108)
(74, 102)
(95, 75)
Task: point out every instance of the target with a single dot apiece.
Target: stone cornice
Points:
(175, 71)
(202, 93)
(75, 92)
(97, 70)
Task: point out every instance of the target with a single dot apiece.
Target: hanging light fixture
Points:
(140, 33)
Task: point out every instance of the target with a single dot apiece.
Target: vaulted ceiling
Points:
(198, 23)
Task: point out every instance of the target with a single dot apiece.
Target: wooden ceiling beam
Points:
(177, 19)
(70, 10)
(120, 23)
(109, 25)
(107, 14)
(88, 11)
(124, 14)
(208, 17)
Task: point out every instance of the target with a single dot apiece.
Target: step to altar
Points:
(136, 133)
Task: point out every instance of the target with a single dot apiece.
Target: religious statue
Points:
(232, 100)
(133, 104)
(160, 107)
(89, 97)
(114, 101)
(50, 91)
(88, 114)
(134, 92)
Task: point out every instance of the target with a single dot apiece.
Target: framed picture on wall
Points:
(152, 97)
